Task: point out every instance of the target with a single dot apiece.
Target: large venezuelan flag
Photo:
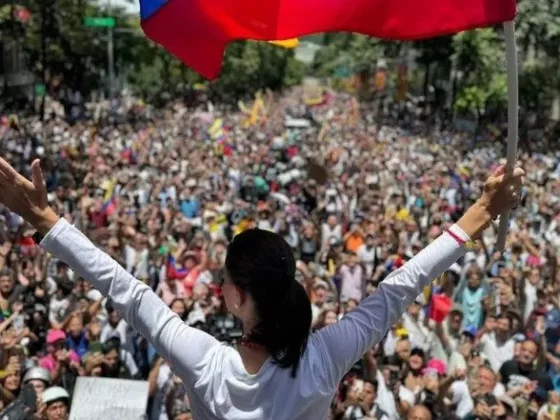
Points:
(198, 31)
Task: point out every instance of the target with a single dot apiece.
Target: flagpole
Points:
(513, 120)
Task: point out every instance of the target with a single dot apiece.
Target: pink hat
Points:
(55, 335)
(533, 261)
(437, 365)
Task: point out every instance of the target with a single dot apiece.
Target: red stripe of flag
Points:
(197, 31)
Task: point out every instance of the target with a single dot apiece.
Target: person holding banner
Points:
(279, 371)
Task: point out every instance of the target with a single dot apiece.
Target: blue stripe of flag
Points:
(149, 7)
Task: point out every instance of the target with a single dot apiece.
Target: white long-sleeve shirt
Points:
(217, 383)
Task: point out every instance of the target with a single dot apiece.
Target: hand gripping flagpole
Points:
(513, 121)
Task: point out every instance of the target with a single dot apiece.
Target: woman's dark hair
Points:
(262, 264)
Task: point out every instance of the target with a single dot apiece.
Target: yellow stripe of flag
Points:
(287, 43)
(110, 189)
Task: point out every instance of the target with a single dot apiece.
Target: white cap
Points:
(94, 295)
(37, 373)
(55, 393)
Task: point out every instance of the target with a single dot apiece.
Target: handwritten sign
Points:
(109, 399)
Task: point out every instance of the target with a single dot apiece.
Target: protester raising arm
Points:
(137, 303)
(342, 344)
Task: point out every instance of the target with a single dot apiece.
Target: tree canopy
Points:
(76, 55)
(465, 72)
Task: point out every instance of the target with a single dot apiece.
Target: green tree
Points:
(478, 55)
(482, 84)
(355, 52)
(538, 33)
(75, 56)
(434, 56)
(538, 28)
(537, 86)
(250, 66)
(334, 55)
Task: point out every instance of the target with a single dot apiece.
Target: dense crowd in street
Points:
(164, 191)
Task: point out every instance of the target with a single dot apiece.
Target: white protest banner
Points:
(109, 399)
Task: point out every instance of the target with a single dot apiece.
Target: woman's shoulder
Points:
(220, 354)
(219, 364)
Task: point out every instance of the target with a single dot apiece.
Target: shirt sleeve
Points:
(504, 373)
(163, 376)
(344, 343)
(17, 292)
(130, 364)
(183, 347)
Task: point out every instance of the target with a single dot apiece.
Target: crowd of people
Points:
(163, 192)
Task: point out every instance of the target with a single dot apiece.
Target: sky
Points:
(133, 8)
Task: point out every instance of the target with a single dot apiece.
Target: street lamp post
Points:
(109, 23)
(44, 12)
(110, 55)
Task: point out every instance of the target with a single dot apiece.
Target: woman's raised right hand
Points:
(502, 192)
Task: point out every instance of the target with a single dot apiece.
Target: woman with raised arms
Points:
(279, 371)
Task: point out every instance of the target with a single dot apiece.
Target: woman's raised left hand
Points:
(27, 198)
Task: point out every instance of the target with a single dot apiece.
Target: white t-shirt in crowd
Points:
(128, 359)
(418, 333)
(328, 233)
(497, 353)
(499, 390)
(59, 309)
(159, 410)
(120, 331)
(315, 313)
(367, 257)
(456, 362)
(385, 399)
(390, 344)
(136, 261)
(461, 398)
(530, 292)
(407, 396)
(215, 378)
